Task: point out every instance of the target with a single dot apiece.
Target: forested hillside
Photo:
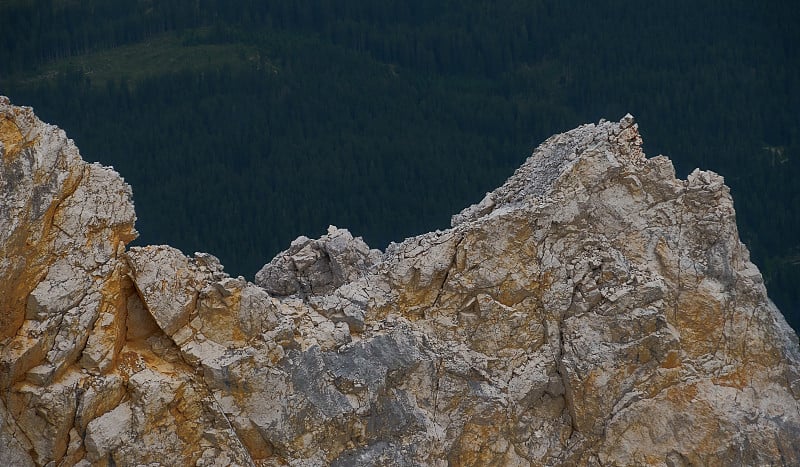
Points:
(241, 125)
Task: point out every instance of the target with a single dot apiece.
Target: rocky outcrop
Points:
(593, 310)
(63, 229)
(318, 267)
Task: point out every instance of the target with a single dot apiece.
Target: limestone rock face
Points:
(593, 310)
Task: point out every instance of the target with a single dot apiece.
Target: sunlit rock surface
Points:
(593, 310)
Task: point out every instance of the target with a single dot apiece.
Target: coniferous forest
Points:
(241, 125)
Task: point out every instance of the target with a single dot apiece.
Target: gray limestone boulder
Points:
(317, 267)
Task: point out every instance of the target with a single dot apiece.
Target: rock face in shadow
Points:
(593, 310)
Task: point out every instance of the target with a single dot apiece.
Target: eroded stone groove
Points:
(593, 310)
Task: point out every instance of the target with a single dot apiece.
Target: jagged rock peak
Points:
(538, 176)
(593, 310)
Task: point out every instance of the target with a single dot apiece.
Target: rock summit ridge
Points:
(593, 310)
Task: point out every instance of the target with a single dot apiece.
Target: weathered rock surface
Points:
(593, 310)
(315, 267)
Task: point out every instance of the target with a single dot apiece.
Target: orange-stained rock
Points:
(593, 310)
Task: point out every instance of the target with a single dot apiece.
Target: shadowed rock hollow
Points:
(593, 310)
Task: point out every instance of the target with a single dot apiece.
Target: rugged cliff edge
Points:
(593, 310)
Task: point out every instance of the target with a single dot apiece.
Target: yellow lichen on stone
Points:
(219, 316)
(700, 318)
(738, 378)
(673, 360)
(186, 413)
(11, 137)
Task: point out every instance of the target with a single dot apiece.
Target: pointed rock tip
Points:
(627, 121)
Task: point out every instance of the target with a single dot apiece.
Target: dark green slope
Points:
(241, 125)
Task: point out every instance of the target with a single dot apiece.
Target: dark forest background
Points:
(243, 124)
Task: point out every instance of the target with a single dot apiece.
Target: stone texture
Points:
(593, 310)
(314, 267)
